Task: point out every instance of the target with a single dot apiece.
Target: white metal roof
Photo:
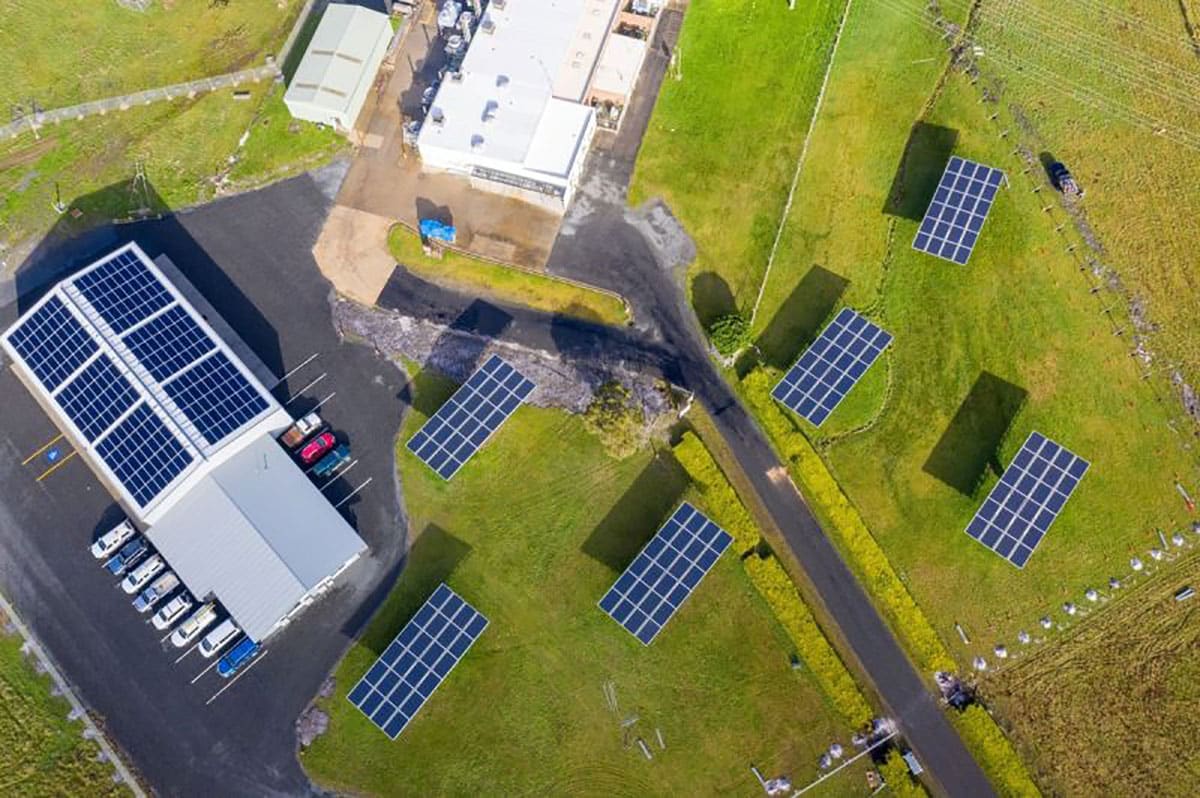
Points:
(340, 56)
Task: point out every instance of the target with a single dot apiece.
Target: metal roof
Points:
(343, 53)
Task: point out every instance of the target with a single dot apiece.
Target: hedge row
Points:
(998, 757)
(895, 774)
(772, 582)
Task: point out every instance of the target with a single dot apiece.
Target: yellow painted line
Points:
(53, 441)
(56, 466)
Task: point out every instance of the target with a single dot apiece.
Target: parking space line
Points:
(57, 465)
(184, 654)
(257, 660)
(168, 634)
(351, 496)
(211, 665)
(300, 392)
(308, 360)
(53, 441)
(317, 406)
(338, 475)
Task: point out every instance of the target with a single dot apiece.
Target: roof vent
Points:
(456, 76)
(477, 143)
(502, 81)
(437, 117)
(488, 26)
(489, 110)
(498, 4)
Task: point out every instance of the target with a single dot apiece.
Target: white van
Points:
(219, 637)
(172, 611)
(199, 620)
(139, 577)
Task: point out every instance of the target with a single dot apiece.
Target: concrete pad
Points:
(352, 253)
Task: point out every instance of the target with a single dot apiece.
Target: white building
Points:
(514, 117)
(339, 67)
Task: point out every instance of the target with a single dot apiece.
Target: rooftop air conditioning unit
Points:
(437, 117)
(501, 81)
(477, 143)
(489, 110)
(456, 76)
(487, 26)
(499, 4)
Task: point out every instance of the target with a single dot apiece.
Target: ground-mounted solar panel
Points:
(665, 573)
(216, 397)
(468, 418)
(958, 210)
(831, 366)
(123, 291)
(96, 397)
(417, 661)
(1018, 512)
(169, 343)
(52, 343)
(143, 454)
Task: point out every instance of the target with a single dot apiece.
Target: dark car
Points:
(124, 558)
(1063, 180)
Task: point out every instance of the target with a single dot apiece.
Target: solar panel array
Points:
(959, 208)
(215, 397)
(665, 573)
(828, 369)
(1029, 496)
(169, 343)
(417, 661)
(97, 397)
(123, 290)
(143, 454)
(52, 343)
(475, 411)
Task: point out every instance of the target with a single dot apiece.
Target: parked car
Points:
(1063, 180)
(301, 431)
(238, 656)
(315, 449)
(332, 461)
(172, 611)
(111, 540)
(127, 556)
(219, 637)
(140, 576)
(158, 589)
(196, 623)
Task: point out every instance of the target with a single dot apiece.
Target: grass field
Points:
(505, 283)
(75, 52)
(41, 752)
(525, 713)
(750, 76)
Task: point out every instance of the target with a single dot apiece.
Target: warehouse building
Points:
(338, 69)
(181, 431)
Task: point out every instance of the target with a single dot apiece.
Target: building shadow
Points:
(638, 514)
(428, 209)
(801, 316)
(112, 515)
(972, 441)
(432, 559)
(711, 298)
(928, 149)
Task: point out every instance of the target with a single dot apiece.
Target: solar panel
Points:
(828, 369)
(123, 291)
(52, 343)
(143, 454)
(417, 661)
(470, 416)
(216, 397)
(169, 343)
(665, 573)
(1029, 496)
(97, 397)
(960, 205)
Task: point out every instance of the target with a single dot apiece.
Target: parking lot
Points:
(188, 730)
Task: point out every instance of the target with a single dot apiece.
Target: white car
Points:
(111, 540)
(219, 637)
(172, 611)
(146, 570)
(157, 591)
(196, 623)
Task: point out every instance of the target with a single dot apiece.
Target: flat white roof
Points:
(340, 56)
(620, 63)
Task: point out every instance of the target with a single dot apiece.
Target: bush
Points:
(720, 500)
(615, 418)
(996, 754)
(729, 334)
(895, 774)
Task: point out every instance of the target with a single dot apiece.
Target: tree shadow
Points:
(925, 155)
(432, 559)
(972, 440)
(711, 298)
(800, 317)
(639, 512)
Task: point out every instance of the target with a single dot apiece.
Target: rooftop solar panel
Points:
(1029, 496)
(52, 343)
(417, 661)
(470, 416)
(960, 205)
(169, 343)
(215, 396)
(828, 369)
(143, 454)
(96, 397)
(123, 291)
(665, 573)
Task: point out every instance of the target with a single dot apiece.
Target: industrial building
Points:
(338, 69)
(515, 111)
(181, 431)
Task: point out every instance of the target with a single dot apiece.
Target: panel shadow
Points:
(925, 155)
(800, 317)
(638, 514)
(971, 442)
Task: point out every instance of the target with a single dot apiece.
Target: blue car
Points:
(331, 462)
(238, 656)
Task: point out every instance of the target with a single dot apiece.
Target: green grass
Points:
(751, 73)
(41, 752)
(279, 146)
(73, 52)
(506, 283)
(524, 713)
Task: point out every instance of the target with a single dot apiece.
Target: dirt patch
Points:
(352, 252)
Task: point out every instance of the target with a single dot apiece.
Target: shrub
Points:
(729, 334)
(615, 418)
(996, 754)
(895, 773)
